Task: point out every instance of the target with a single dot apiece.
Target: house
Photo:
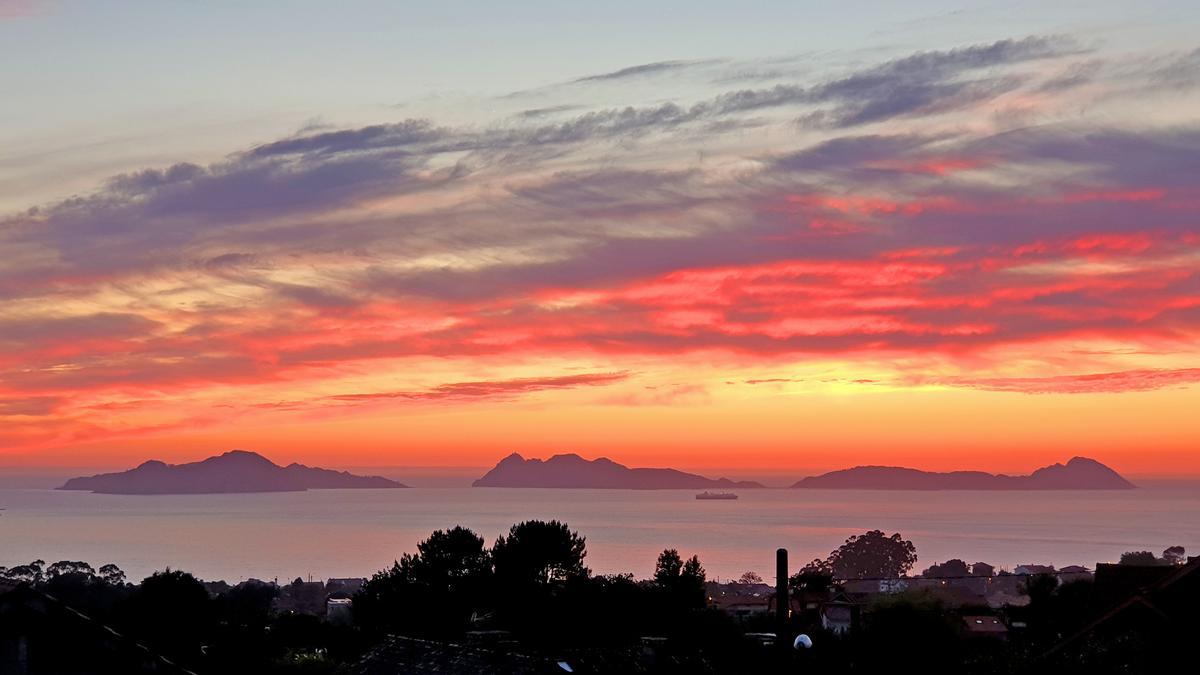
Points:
(744, 606)
(955, 591)
(1074, 573)
(875, 586)
(344, 587)
(975, 585)
(1030, 570)
(839, 614)
(301, 597)
(811, 599)
(985, 626)
(741, 600)
(339, 610)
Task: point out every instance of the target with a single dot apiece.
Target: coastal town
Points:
(529, 605)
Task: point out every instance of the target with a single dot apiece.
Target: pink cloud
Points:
(490, 388)
(13, 9)
(1091, 383)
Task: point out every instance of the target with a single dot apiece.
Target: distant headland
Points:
(1080, 473)
(573, 471)
(234, 471)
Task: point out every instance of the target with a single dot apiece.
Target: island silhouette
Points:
(233, 471)
(572, 471)
(1080, 473)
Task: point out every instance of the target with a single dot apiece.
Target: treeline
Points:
(1174, 555)
(533, 588)
(532, 582)
(206, 627)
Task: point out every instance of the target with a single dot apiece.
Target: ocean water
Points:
(348, 533)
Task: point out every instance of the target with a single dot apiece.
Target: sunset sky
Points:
(792, 235)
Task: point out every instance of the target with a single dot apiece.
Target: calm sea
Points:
(345, 533)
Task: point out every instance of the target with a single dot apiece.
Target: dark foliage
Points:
(1139, 558)
(534, 594)
(449, 579)
(172, 611)
(538, 553)
(948, 569)
(1173, 555)
(913, 630)
(680, 582)
(869, 555)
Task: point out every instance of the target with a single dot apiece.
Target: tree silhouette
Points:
(540, 553)
(247, 604)
(112, 575)
(1039, 587)
(810, 579)
(172, 610)
(693, 572)
(1139, 558)
(817, 567)
(64, 567)
(444, 581)
(668, 567)
(681, 581)
(950, 568)
(869, 555)
(78, 585)
(33, 573)
(750, 577)
(1175, 555)
(448, 560)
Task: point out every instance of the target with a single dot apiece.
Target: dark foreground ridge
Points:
(573, 471)
(1080, 473)
(234, 471)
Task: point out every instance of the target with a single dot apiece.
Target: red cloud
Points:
(1146, 195)
(1134, 242)
(490, 388)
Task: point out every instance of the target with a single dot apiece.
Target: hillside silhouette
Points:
(572, 471)
(1080, 473)
(234, 471)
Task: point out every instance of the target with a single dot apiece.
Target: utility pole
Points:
(782, 606)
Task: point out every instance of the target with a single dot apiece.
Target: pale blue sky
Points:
(93, 88)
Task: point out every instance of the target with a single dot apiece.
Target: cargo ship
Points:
(716, 495)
